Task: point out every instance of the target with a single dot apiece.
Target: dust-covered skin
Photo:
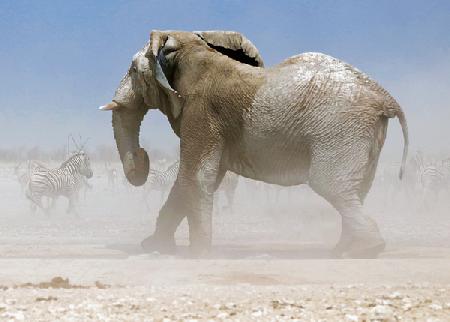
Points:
(311, 119)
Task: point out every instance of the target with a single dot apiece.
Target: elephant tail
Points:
(404, 125)
(393, 109)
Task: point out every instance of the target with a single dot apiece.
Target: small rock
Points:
(395, 295)
(382, 311)
(46, 299)
(257, 313)
(14, 315)
(435, 306)
(351, 317)
(222, 315)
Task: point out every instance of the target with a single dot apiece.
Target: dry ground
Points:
(91, 282)
(270, 261)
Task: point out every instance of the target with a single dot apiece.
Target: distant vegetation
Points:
(99, 153)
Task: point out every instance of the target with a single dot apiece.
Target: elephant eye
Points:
(133, 68)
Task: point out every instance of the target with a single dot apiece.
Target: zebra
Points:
(162, 181)
(432, 180)
(63, 181)
(23, 173)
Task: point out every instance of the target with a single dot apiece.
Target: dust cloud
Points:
(271, 245)
(271, 256)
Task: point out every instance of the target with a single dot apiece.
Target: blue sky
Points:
(59, 60)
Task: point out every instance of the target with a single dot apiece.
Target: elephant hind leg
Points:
(372, 162)
(342, 178)
(360, 236)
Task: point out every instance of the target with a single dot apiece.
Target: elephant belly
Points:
(272, 160)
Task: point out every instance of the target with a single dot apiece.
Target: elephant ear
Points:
(233, 45)
(161, 46)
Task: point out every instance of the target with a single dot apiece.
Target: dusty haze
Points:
(271, 256)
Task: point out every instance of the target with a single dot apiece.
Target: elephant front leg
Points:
(191, 196)
(200, 216)
(170, 216)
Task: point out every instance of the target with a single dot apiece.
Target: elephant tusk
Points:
(109, 107)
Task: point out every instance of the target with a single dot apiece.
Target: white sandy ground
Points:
(123, 285)
(270, 260)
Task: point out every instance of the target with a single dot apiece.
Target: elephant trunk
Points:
(135, 161)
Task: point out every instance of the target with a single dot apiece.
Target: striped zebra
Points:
(432, 181)
(64, 181)
(162, 181)
(23, 173)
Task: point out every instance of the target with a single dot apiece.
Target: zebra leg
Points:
(36, 201)
(72, 209)
(33, 204)
(53, 202)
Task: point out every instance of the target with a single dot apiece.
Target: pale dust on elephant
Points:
(312, 119)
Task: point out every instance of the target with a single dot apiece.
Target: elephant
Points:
(312, 119)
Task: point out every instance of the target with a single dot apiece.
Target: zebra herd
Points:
(426, 180)
(38, 181)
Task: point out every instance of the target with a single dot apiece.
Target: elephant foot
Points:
(200, 248)
(360, 239)
(163, 245)
(361, 245)
(199, 252)
(341, 246)
(360, 248)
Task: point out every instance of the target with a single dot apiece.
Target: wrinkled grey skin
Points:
(310, 120)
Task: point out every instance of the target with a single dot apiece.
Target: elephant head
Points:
(149, 84)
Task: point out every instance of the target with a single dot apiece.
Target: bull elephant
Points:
(312, 119)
